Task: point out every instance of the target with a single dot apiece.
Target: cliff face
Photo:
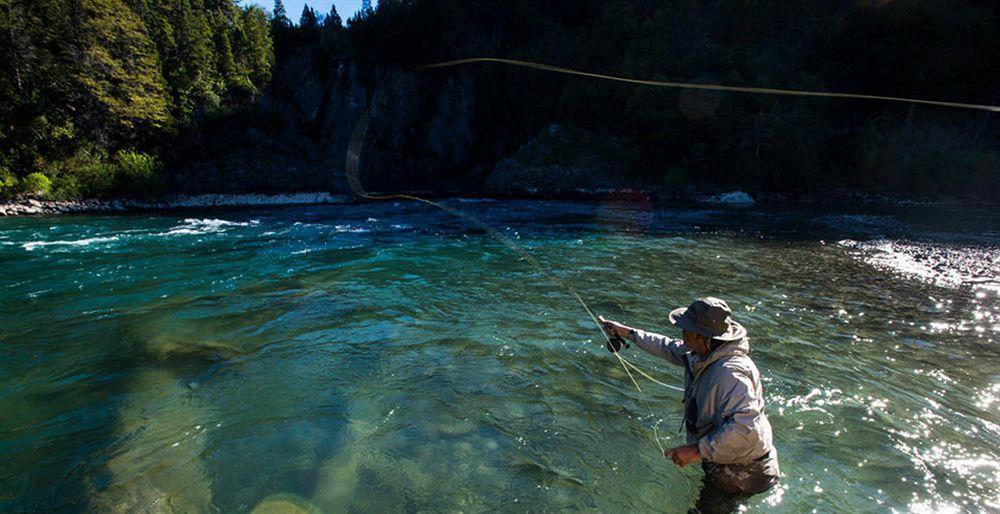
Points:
(427, 133)
(468, 131)
(295, 137)
(421, 134)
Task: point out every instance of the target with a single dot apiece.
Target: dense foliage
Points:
(93, 90)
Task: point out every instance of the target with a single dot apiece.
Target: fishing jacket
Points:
(723, 400)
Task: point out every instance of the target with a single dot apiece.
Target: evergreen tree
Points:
(333, 20)
(308, 20)
(225, 60)
(366, 8)
(308, 26)
(279, 10)
(82, 79)
(119, 71)
(279, 16)
(258, 48)
(281, 27)
(38, 60)
(196, 81)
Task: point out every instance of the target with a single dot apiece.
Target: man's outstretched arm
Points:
(661, 346)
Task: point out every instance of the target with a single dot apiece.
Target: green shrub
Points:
(66, 187)
(36, 184)
(137, 173)
(8, 180)
(92, 173)
(930, 158)
(85, 174)
(8, 183)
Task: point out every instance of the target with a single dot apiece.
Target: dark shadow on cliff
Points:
(490, 129)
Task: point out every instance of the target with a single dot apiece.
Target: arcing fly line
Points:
(354, 182)
(709, 87)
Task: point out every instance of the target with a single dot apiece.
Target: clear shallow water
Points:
(384, 356)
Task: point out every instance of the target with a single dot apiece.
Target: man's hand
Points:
(613, 328)
(683, 455)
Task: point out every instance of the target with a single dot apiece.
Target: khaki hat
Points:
(710, 317)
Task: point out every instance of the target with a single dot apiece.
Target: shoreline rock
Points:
(730, 198)
(35, 207)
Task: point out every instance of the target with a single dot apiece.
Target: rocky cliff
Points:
(295, 137)
(428, 132)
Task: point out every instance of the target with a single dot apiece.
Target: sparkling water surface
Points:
(387, 357)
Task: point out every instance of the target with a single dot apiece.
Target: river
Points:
(386, 357)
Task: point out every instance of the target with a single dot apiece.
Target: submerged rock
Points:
(285, 503)
(169, 349)
(337, 480)
(156, 466)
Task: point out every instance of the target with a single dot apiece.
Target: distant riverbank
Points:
(29, 207)
(37, 207)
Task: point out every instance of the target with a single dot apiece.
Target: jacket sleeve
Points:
(739, 434)
(661, 346)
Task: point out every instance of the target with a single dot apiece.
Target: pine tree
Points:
(333, 20)
(281, 27)
(308, 20)
(259, 48)
(119, 73)
(278, 15)
(366, 8)
(224, 58)
(16, 43)
(197, 80)
(308, 25)
(80, 79)
(156, 16)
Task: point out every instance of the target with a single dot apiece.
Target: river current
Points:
(386, 356)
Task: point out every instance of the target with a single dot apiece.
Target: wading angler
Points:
(724, 418)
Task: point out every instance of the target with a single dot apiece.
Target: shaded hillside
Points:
(492, 128)
(448, 129)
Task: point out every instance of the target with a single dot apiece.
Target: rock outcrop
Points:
(296, 135)
(561, 161)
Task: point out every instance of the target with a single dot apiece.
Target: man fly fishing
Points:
(723, 401)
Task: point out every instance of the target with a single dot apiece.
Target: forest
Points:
(94, 90)
(118, 97)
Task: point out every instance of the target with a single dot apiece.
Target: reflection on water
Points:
(385, 357)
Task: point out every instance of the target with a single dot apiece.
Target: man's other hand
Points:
(683, 455)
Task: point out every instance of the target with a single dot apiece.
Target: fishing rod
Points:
(352, 167)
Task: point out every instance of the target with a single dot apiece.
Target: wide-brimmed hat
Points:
(710, 317)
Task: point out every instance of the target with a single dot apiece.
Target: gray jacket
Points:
(723, 401)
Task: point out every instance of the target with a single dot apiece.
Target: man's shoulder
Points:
(738, 365)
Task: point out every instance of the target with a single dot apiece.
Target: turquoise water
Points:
(387, 357)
